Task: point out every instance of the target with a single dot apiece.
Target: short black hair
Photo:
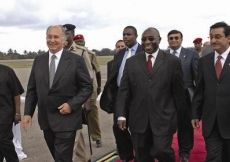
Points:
(175, 32)
(222, 24)
(119, 41)
(133, 28)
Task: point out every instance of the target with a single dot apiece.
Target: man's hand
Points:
(87, 105)
(26, 120)
(195, 123)
(65, 109)
(17, 118)
(121, 124)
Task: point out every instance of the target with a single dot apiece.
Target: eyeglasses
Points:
(149, 38)
(176, 38)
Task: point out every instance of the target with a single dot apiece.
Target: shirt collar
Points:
(153, 54)
(134, 48)
(58, 54)
(178, 50)
(224, 55)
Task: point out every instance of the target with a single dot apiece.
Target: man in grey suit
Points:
(189, 60)
(151, 95)
(60, 84)
(211, 101)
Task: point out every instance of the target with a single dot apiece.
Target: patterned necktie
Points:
(52, 70)
(218, 66)
(174, 52)
(149, 63)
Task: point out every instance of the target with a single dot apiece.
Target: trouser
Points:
(185, 135)
(148, 147)
(7, 149)
(218, 148)
(79, 151)
(123, 141)
(185, 131)
(93, 121)
(60, 144)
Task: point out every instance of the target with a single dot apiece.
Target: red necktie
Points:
(149, 63)
(218, 66)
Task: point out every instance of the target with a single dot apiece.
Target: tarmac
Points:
(34, 144)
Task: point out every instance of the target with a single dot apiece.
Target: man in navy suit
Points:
(189, 60)
(109, 95)
(211, 101)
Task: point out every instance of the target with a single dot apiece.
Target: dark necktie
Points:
(174, 52)
(52, 70)
(218, 66)
(149, 63)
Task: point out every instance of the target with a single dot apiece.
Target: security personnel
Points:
(93, 119)
(198, 45)
(80, 152)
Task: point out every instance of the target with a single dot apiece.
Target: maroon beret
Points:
(78, 36)
(197, 40)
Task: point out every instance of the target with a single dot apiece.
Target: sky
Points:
(23, 23)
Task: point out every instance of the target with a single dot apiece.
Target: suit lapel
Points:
(45, 67)
(158, 62)
(143, 62)
(63, 64)
(226, 67)
(183, 54)
(210, 65)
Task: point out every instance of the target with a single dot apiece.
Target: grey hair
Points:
(62, 29)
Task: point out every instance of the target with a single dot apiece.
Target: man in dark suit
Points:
(189, 60)
(118, 46)
(10, 91)
(212, 96)
(151, 96)
(60, 84)
(109, 95)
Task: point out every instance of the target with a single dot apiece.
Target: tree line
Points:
(12, 54)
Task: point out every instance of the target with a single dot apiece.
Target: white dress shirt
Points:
(57, 59)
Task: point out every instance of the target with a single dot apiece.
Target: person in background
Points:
(212, 95)
(198, 45)
(151, 96)
(118, 46)
(189, 60)
(59, 84)
(109, 94)
(80, 151)
(93, 117)
(10, 91)
(207, 48)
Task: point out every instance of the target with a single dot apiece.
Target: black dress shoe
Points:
(184, 159)
(98, 143)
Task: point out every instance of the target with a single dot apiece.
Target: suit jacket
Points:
(156, 98)
(109, 94)
(72, 85)
(109, 68)
(189, 61)
(212, 96)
